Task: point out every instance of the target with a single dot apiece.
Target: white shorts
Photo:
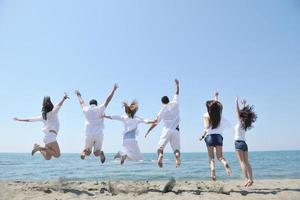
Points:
(95, 141)
(49, 137)
(172, 136)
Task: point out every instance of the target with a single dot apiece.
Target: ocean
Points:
(265, 165)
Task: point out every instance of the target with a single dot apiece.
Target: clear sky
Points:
(245, 48)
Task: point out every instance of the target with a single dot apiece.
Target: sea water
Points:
(195, 166)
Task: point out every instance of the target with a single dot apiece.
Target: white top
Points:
(169, 113)
(52, 122)
(94, 123)
(224, 123)
(240, 133)
(130, 124)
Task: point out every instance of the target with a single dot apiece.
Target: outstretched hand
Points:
(146, 134)
(244, 102)
(116, 86)
(66, 96)
(77, 93)
(16, 119)
(216, 94)
(176, 81)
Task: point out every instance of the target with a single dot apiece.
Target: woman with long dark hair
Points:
(214, 125)
(130, 148)
(246, 117)
(51, 127)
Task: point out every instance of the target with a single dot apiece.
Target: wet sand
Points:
(61, 189)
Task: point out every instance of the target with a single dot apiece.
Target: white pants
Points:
(172, 136)
(49, 137)
(95, 141)
(131, 149)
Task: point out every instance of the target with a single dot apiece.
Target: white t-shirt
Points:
(224, 123)
(240, 133)
(94, 124)
(130, 124)
(52, 122)
(169, 114)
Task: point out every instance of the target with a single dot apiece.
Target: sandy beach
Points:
(62, 189)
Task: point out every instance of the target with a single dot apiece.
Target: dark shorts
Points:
(241, 145)
(214, 140)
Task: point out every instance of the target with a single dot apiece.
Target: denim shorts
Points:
(214, 140)
(241, 145)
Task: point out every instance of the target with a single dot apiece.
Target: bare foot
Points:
(246, 183)
(35, 149)
(213, 175)
(82, 155)
(178, 161)
(102, 157)
(123, 158)
(117, 155)
(160, 160)
(228, 169)
(250, 183)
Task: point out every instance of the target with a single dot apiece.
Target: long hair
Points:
(248, 117)
(131, 109)
(47, 107)
(214, 109)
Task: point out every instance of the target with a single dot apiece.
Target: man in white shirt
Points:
(169, 114)
(94, 125)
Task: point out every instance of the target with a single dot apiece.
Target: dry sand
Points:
(154, 190)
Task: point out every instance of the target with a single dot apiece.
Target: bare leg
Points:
(249, 171)
(222, 160)
(160, 158)
(51, 149)
(211, 158)
(241, 156)
(177, 156)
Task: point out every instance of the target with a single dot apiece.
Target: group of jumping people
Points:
(214, 125)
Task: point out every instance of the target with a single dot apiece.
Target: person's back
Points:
(93, 121)
(52, 121)
(169, 114)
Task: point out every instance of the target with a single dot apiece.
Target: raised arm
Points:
(110, 96)
(60, 103)
(216, 96)
(80, 99)
(238, 111)
(177, 86)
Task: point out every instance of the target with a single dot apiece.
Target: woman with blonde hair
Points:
(130, 148)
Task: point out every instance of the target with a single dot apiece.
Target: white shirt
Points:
(130, 124)
(224, 123)
(52, 122)
(169, 113)
(240, 133)
(94, 123)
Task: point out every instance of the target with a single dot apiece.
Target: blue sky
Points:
(245, 48)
